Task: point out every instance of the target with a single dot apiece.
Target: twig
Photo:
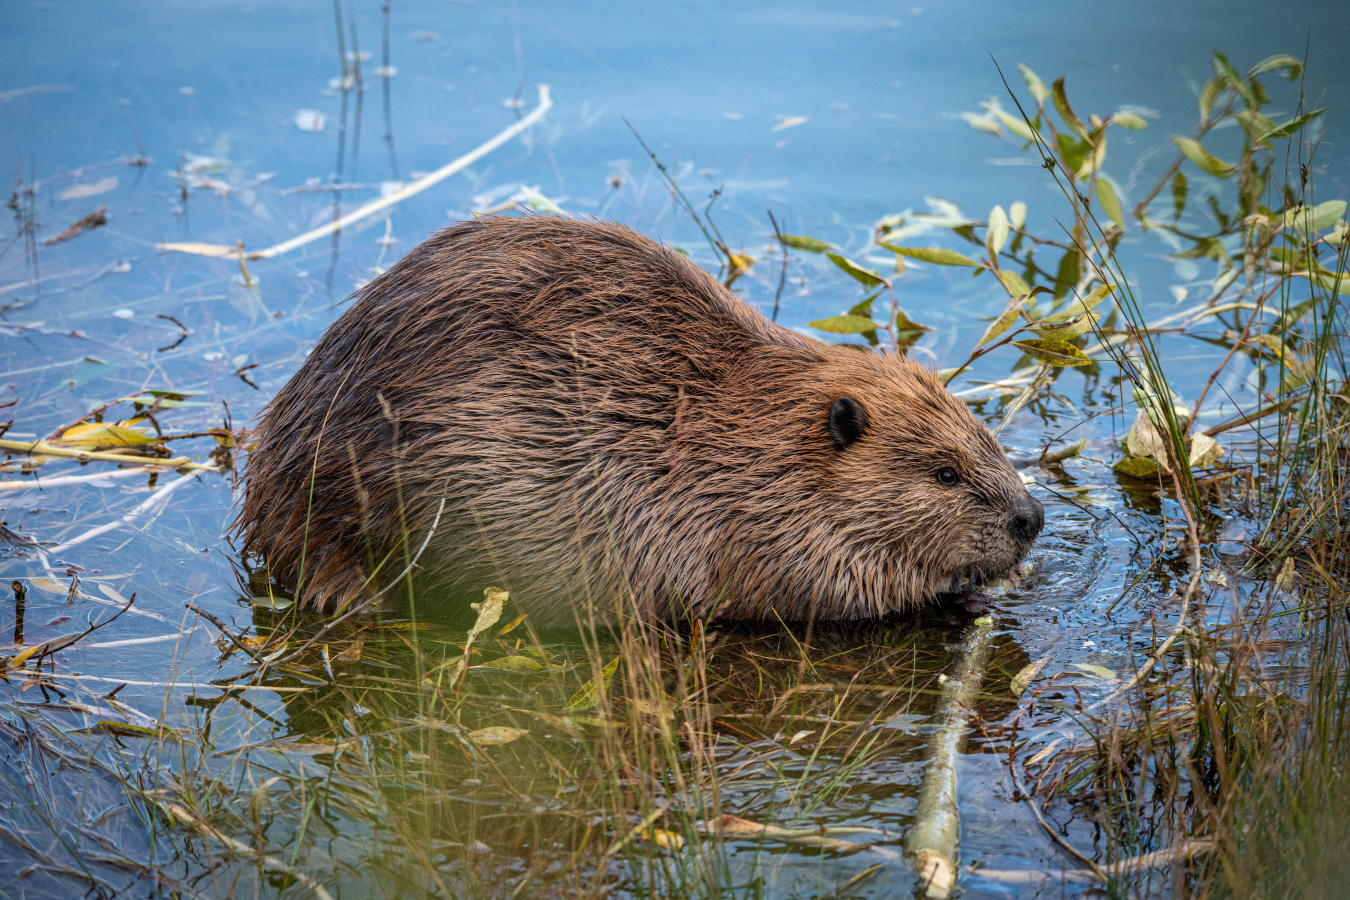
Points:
(416, 187)
(46, 649)
(934, 839)
(159, 496)
(1055, 835)
(78, 479)
(42, 448)
(224, 629)
(268, 862)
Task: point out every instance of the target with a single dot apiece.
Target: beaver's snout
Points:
(1026, 519)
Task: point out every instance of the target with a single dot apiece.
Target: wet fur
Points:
(611, 428)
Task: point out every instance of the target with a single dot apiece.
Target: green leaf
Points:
(809, 244)
(1106, 195)
(1054, 353)
(1017, 215)
(539, 203)
(1225, 70)
(1095, 671)
(1137, 467)
(1034, 84)
(1087, 304)
(1128, 120)
(1280, 61)
(1004, 321)
(1303, 219)
(593, 691)
(1073, 150)
(1293, 125)
(1328, 282)
(845, 325)
(1095, 159)
(1205, 451)
(935, 255)
(1066, 111)
(1015, 285)
(905, 323)
(1063, 331)
(274, 604)
(1208, 94)
(855, 271)
(996, 235)
(983, 122)
(1178, 194)
(1202, 158)
(1070, 267)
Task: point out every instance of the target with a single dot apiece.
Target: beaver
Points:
(587, 418)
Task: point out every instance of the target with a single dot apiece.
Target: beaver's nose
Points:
(1027, 519)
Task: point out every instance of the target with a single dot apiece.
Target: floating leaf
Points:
(809, 244)
(1205, 451)
(1054, 353)
(996, 235)
(275, 604)
(1287, 580)
(1095, 671)
(845, 325)
(593, 691)
(24, 655)
(497, 734)
(1106, 195)
(511, 664)
(855, 271)
(935, 255)
(1138, 467)
(1034, 84)
(1027, 675)
(1128, 120)
(46, 584)
(1202, 158)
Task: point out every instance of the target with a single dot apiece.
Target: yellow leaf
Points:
(99, 435)
(668, 839)
(593, 691)
(497, 734)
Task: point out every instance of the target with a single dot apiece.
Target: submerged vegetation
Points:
(398, 755)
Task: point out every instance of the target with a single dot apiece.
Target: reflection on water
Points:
(221, 123)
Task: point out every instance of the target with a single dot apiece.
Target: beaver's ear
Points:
(848, 422)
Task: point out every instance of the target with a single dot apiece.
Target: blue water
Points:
(829, 115)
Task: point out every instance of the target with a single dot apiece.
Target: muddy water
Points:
(216, 123)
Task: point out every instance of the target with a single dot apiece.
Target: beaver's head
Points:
(920, 474)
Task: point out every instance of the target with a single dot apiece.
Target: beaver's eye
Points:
(947, 475)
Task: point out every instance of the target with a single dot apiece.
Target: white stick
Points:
(398, 196)
(39, 484)
(159, 496)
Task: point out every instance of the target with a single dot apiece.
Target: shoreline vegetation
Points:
(418, 759)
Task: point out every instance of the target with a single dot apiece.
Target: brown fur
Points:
(610, 427)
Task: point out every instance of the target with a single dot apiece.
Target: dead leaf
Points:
(496, 734)
(79, 191)
(88, 223)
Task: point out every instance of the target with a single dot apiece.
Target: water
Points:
(830, 117)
